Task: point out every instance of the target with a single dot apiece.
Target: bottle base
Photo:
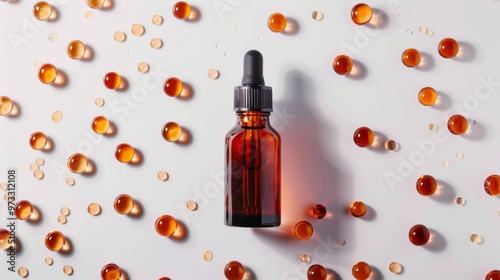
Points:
(257, 221)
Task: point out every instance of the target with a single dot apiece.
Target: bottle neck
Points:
(253, 119)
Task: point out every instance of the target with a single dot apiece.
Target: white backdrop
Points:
(316, 112)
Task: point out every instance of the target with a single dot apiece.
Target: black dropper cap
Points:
(253, 95)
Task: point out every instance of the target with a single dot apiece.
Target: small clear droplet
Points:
(70, 181)
(23, 272)
(391, 145)
(208, 255)
(227, 54)
(433, 127)
(89, 14)
(40, 161)
(472, 122)
(191, 205)
(3, 186)
(460, 155)
(429, 32)
(409, 31)
(49, 125)
(498, 213)
(49, 261)
(423, 29)
(94, 209)
(260, 39)
(157, 20)
(217, 46)
(34, 166)
(53, 37)
(99, 102)
(162, 175)
(6, 196)
(65, 211)
(476, 239)
(68, 269)
(38, 174)
(395, 267)
(304, 258)
(38, 63)
(213, 74)
(57, 116)
(446, 163)
(138, 29)
(460, 201)
(156, 43)
(143, 67)
(130, 50)
(317, 15)
(238, 26)
(62, 219)
(341, 242)
(120, 36)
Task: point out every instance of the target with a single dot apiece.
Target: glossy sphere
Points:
(427, 96)
(363, 137)
(6, 106)
(172, 87)
(95, 4)
(181, 10)
(316, 272)
(493, 275)
(411, 57)
(492, 185)
(165, 225)
(361, 14)
(38, 140)
(23, 210)
(111, 272)
(4, 239)
(164, 278)
(357, 209)
(342, 64)
(319, 211)
(426, 185)
(47, 73)
(100, 125)
(77, 163)
(123, 204)
(76, 49)
(448, 48)
(277, 22)
(42, 10)
(112, 80)
(55, 241)
(124, 153)
(457, 124)
(419, 235)
(303, 230)
(234, 270)
(361, 271)
(171, 131)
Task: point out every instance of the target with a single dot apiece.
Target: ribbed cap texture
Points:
(257, 98)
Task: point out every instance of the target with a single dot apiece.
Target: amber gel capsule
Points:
(253, 153)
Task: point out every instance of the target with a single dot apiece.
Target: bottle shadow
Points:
(311, 173)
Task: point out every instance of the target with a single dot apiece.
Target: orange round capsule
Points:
(6, 106)
(23, 210)
(357, 209)
(38, 140)
(361, 14)
(419, 235)
(171, 131)
(361, 271)
(77, 163)
(303, 230)
(181, 10)
(112, 80)
(316, 272)
(55, 241)
(4, 239)
(42, 10)
(234, 270)
(172, 87)
(492, 185)
(342, 64)
(100, 125)
(448, 48)
(319, 211)
(277, 22)
(166, 225)
(411, 58)
(111, 272)
(363, 137)
(124, 153)
(457, 124)
(493, 275)
(47, 73)
(426, 185)
(76, 49)
(123, 204)
(96, 4)
(164, 278)
(427, 96)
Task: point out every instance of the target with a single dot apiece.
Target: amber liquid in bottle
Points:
(253, 172)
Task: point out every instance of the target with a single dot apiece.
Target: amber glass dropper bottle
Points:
(253, 153)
